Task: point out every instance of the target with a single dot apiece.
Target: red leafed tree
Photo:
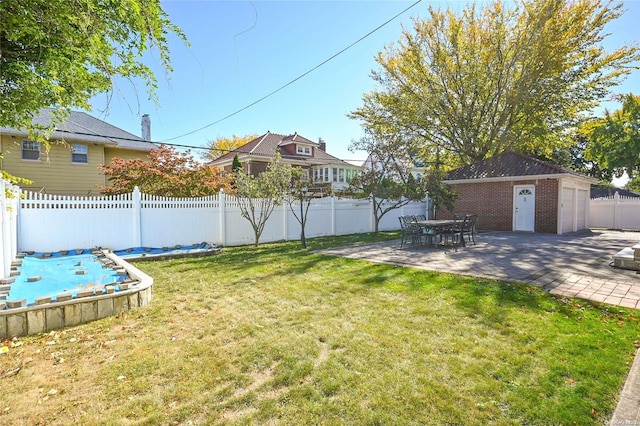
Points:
(167, 172)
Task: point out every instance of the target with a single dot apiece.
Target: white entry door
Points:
(524, 207)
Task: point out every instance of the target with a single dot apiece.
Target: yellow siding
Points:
(56, 173)
(111, 153)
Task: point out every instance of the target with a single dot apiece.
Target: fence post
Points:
(616, 210)
(16, 193)
(284, 221)
(4, 266)
(137, 207)
(426, 207)
(222, 226)
(333, 215)
(371, 214)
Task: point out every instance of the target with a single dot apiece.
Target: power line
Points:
(295, 79)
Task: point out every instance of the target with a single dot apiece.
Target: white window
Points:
(303, 150)
(350, 174)
(30, 150)
(338, 174)
(79, 153)
(326, 174)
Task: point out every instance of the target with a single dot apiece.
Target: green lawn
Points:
(281, 335)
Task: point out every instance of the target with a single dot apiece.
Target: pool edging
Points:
(32, 319)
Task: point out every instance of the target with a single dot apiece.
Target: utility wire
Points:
(295, 79)
(93, 133)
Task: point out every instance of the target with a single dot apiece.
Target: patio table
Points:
(438, 226)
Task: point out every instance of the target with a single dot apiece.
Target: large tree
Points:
(614, 140)
(259, 195)
(60, 53)
(469, 85)
(166, 172)
(387, 178)
(222, 145)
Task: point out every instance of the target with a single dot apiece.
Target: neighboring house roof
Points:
(610, 192)
(266, 146)
(510, 164)
(80, 126)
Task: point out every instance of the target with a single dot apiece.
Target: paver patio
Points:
(574, 265)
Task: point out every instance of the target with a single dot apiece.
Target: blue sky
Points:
(241, 51)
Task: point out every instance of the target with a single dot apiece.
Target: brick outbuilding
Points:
(516, 192)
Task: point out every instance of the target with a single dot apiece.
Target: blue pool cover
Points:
(55, 274)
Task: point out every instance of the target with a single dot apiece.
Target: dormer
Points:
(298, 145)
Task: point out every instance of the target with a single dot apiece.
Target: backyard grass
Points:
(282, 335)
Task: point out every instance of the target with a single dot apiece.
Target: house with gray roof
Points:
(77, 146)
(515, 192)
(322, 168)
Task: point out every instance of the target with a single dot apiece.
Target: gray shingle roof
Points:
(80, 126)
(507, 164)
(267, 146)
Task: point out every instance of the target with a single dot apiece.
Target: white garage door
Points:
(568, 205)
(581, 210)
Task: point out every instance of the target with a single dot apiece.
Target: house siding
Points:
(258, 167)
(125, 154)
(493, 203)
(54, 173)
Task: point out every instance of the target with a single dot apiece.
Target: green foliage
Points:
(614, 140)
(258, 195)
(60, 53)
(634, 184)
(515, 75)
(236, 165)
(440, 194)
(167, 173)
(387, 177)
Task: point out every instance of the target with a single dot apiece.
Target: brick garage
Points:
(515, 192)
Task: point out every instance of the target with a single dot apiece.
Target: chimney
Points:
(146, 127)
(323, 145)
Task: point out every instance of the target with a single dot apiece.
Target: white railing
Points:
(54, 222)
(8, 225)
(615, 212)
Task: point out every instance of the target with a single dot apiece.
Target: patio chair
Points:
(453, 232)
(469, 227)
(410, 231)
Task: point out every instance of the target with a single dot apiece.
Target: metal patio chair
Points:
(468, 227)
(411, 231)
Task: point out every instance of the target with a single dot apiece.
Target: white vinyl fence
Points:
(8, 226)
(53, 222)
(615, 212)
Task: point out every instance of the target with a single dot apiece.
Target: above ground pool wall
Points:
(33, 319)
